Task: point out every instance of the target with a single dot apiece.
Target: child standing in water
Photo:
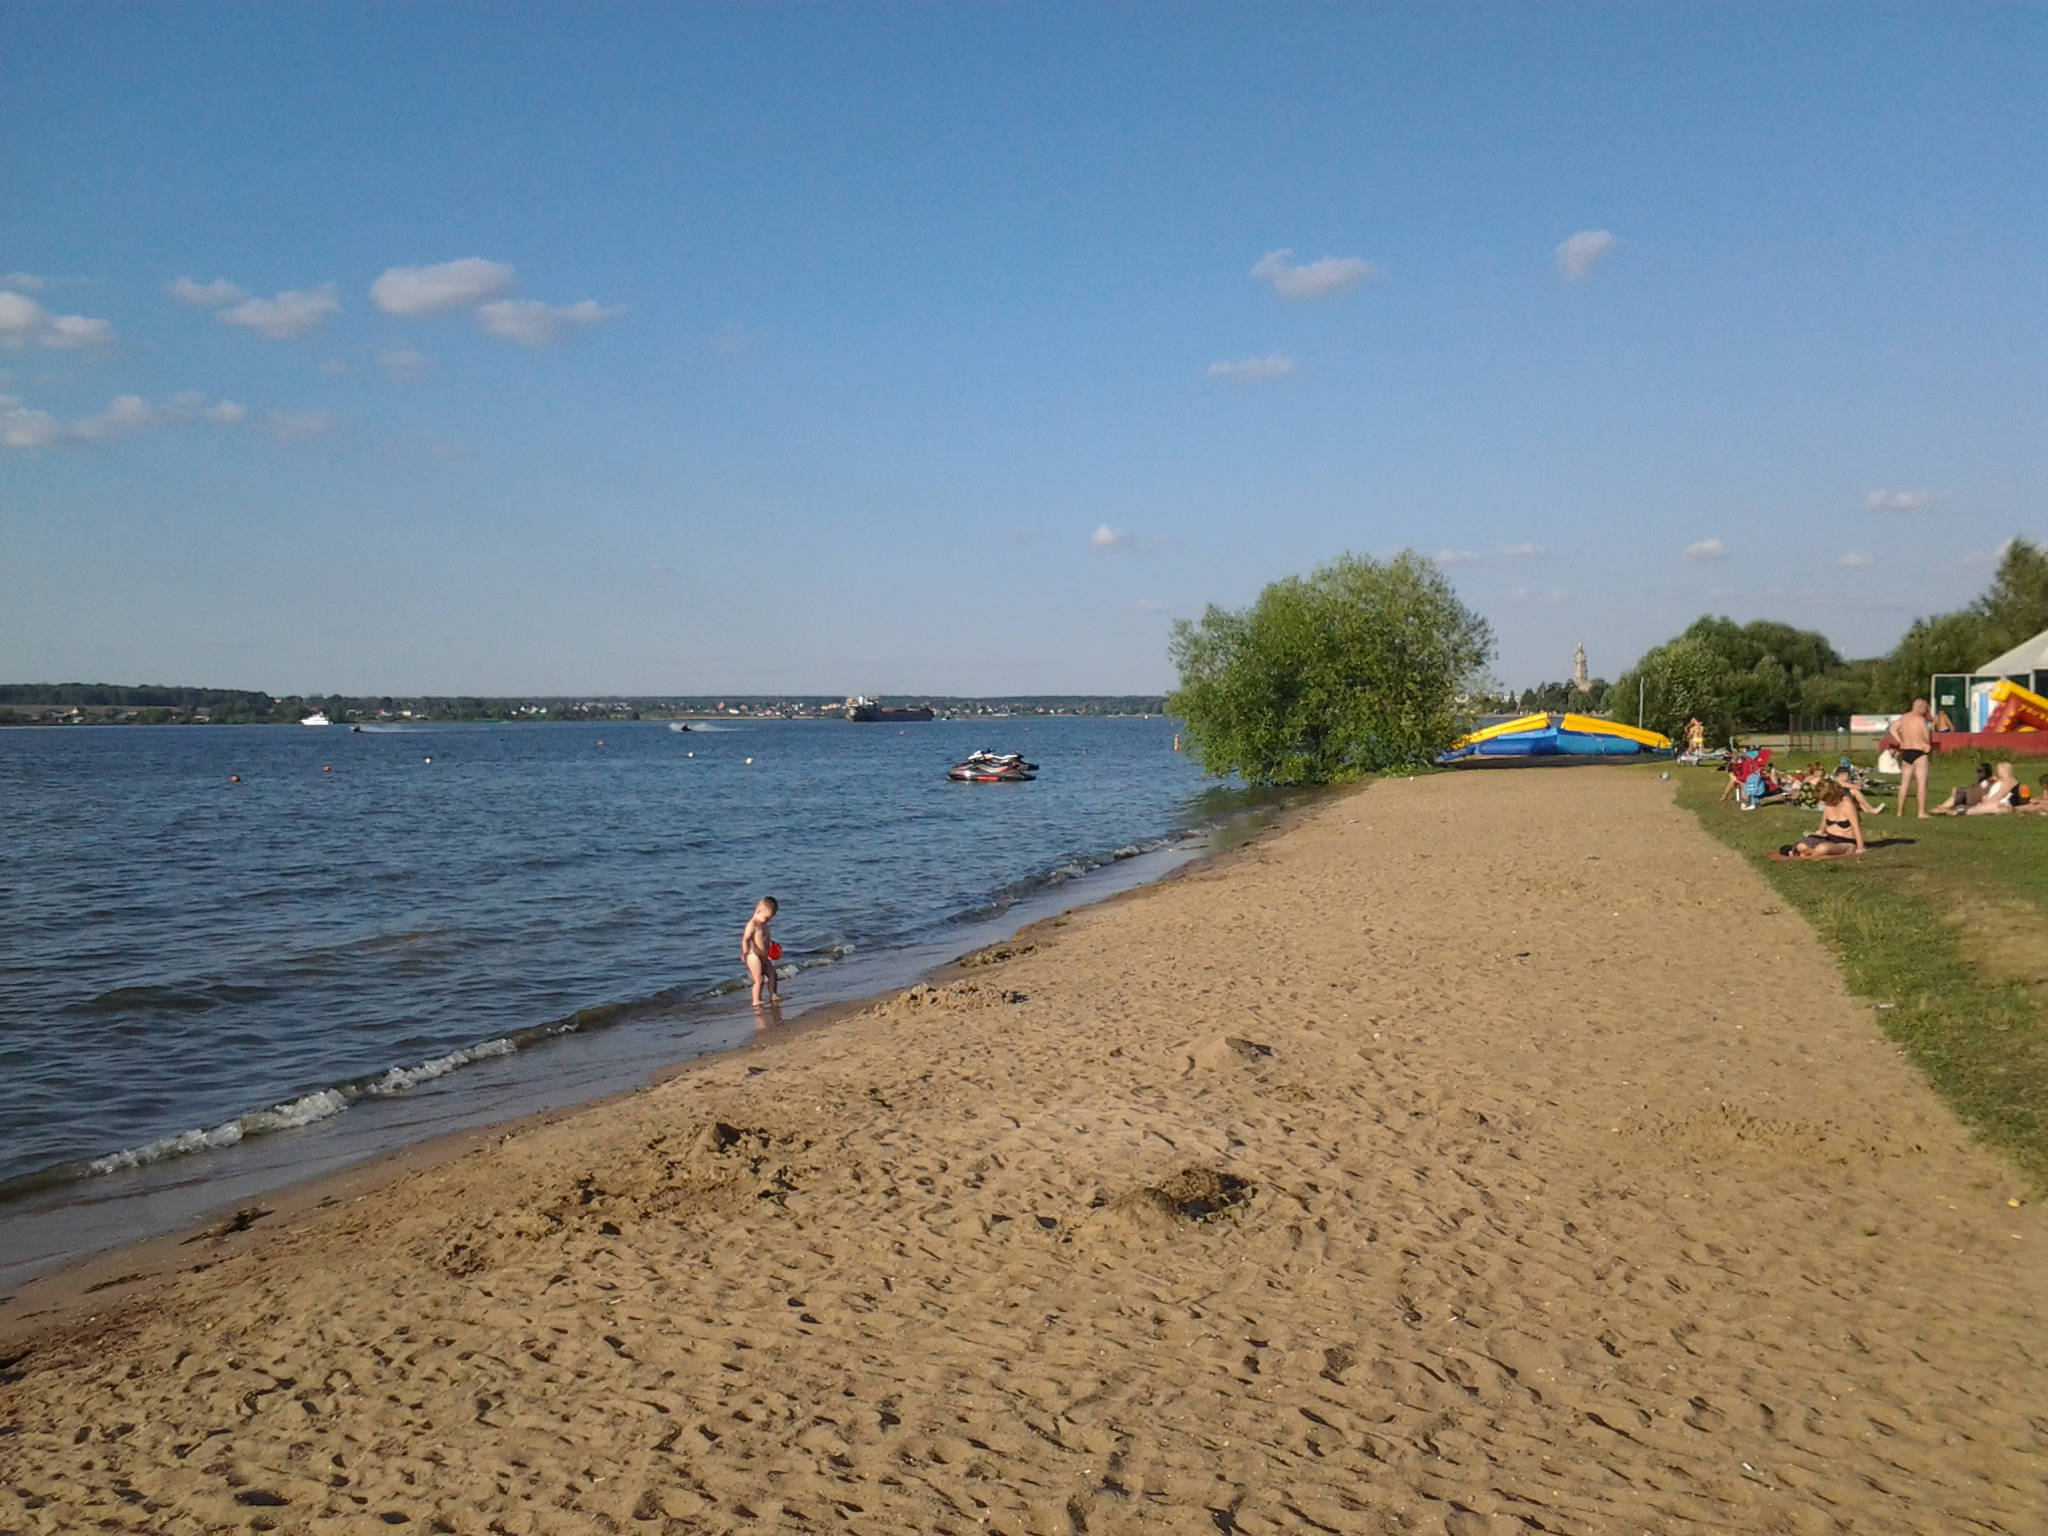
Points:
(756, 948)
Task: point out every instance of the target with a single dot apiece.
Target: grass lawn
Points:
(1946, 931)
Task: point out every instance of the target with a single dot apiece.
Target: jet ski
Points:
(993, 768)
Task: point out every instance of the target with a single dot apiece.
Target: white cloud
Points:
(1253, 370)
(29, 429)
(1144, 605)
(20, 319)
(23, 282)
(1315, 279)
(534, 324)
(292, 314)
(21, 428)
(1854, 561)
(124, 414)
(1706, 549)
(68, 333)
(205, 295)
(404, 365)
(1551, 598)
(334, 365)
(1525, 552)
(434, 290)
(23, 320)
(1901, 501)
(1578, 255)
(734, 340)
(1458, 557)
(287, 426)
(1106, 540)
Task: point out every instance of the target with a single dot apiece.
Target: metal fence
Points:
(1827, 733)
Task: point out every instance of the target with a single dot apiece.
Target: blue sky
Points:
(606, 348)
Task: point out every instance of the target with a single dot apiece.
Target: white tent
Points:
(2023, 660)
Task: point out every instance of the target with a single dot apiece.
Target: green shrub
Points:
(1351, 670)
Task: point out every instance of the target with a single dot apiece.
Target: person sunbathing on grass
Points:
(1841, 829)
(1992, 797)
(1847, 779)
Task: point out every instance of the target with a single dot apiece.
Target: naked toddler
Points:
(759, 949)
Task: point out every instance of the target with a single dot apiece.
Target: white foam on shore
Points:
(399, 1079)
(279, 1117)
(323, 1104)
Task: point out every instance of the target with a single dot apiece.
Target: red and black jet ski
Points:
(993, 768)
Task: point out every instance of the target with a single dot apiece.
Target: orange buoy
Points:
(234, 778)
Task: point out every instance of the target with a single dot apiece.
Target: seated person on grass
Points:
(1846, 778)
(1991, 795)
(1840, 832)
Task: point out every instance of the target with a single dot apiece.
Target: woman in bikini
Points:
(1841, 829)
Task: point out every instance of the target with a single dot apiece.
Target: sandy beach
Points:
(1484, 1153)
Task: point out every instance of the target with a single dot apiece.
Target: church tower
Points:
(1581, 683)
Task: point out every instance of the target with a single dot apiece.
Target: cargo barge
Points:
(866, 711)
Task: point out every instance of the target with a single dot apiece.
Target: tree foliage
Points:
(1769, 671)
(1351, 670)
(2013, 608)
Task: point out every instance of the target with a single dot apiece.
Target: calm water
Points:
(192, 967)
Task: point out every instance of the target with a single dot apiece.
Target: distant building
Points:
(1581, 682)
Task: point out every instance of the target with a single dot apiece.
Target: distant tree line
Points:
(1757, 676)
(217, 702)
(151, 705)
(1364, 666)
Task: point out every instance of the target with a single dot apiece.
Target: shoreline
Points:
(1372, 1177)
(101, 1279)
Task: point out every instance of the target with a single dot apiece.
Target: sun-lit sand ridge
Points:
(1582, 1198)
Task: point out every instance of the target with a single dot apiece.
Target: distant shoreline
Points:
(23, 704)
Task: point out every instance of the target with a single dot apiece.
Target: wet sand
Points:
(1366, 1179)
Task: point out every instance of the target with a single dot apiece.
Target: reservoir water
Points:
(210, 987)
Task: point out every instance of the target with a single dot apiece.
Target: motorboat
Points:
(318, 717)
(679, 725)
(993, 768)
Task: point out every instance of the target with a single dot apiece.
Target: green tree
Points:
(1351, 670)
(1683, 679)
(2015, 607)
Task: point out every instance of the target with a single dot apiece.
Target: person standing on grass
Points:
(1914, 733)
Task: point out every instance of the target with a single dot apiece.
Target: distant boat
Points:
(678, 725)
(867, 712)
(316, 718)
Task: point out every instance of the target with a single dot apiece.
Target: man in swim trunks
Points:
(1915, 736)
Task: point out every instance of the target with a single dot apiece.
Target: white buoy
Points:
(750, 759)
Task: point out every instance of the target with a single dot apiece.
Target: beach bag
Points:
(1888, 762)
